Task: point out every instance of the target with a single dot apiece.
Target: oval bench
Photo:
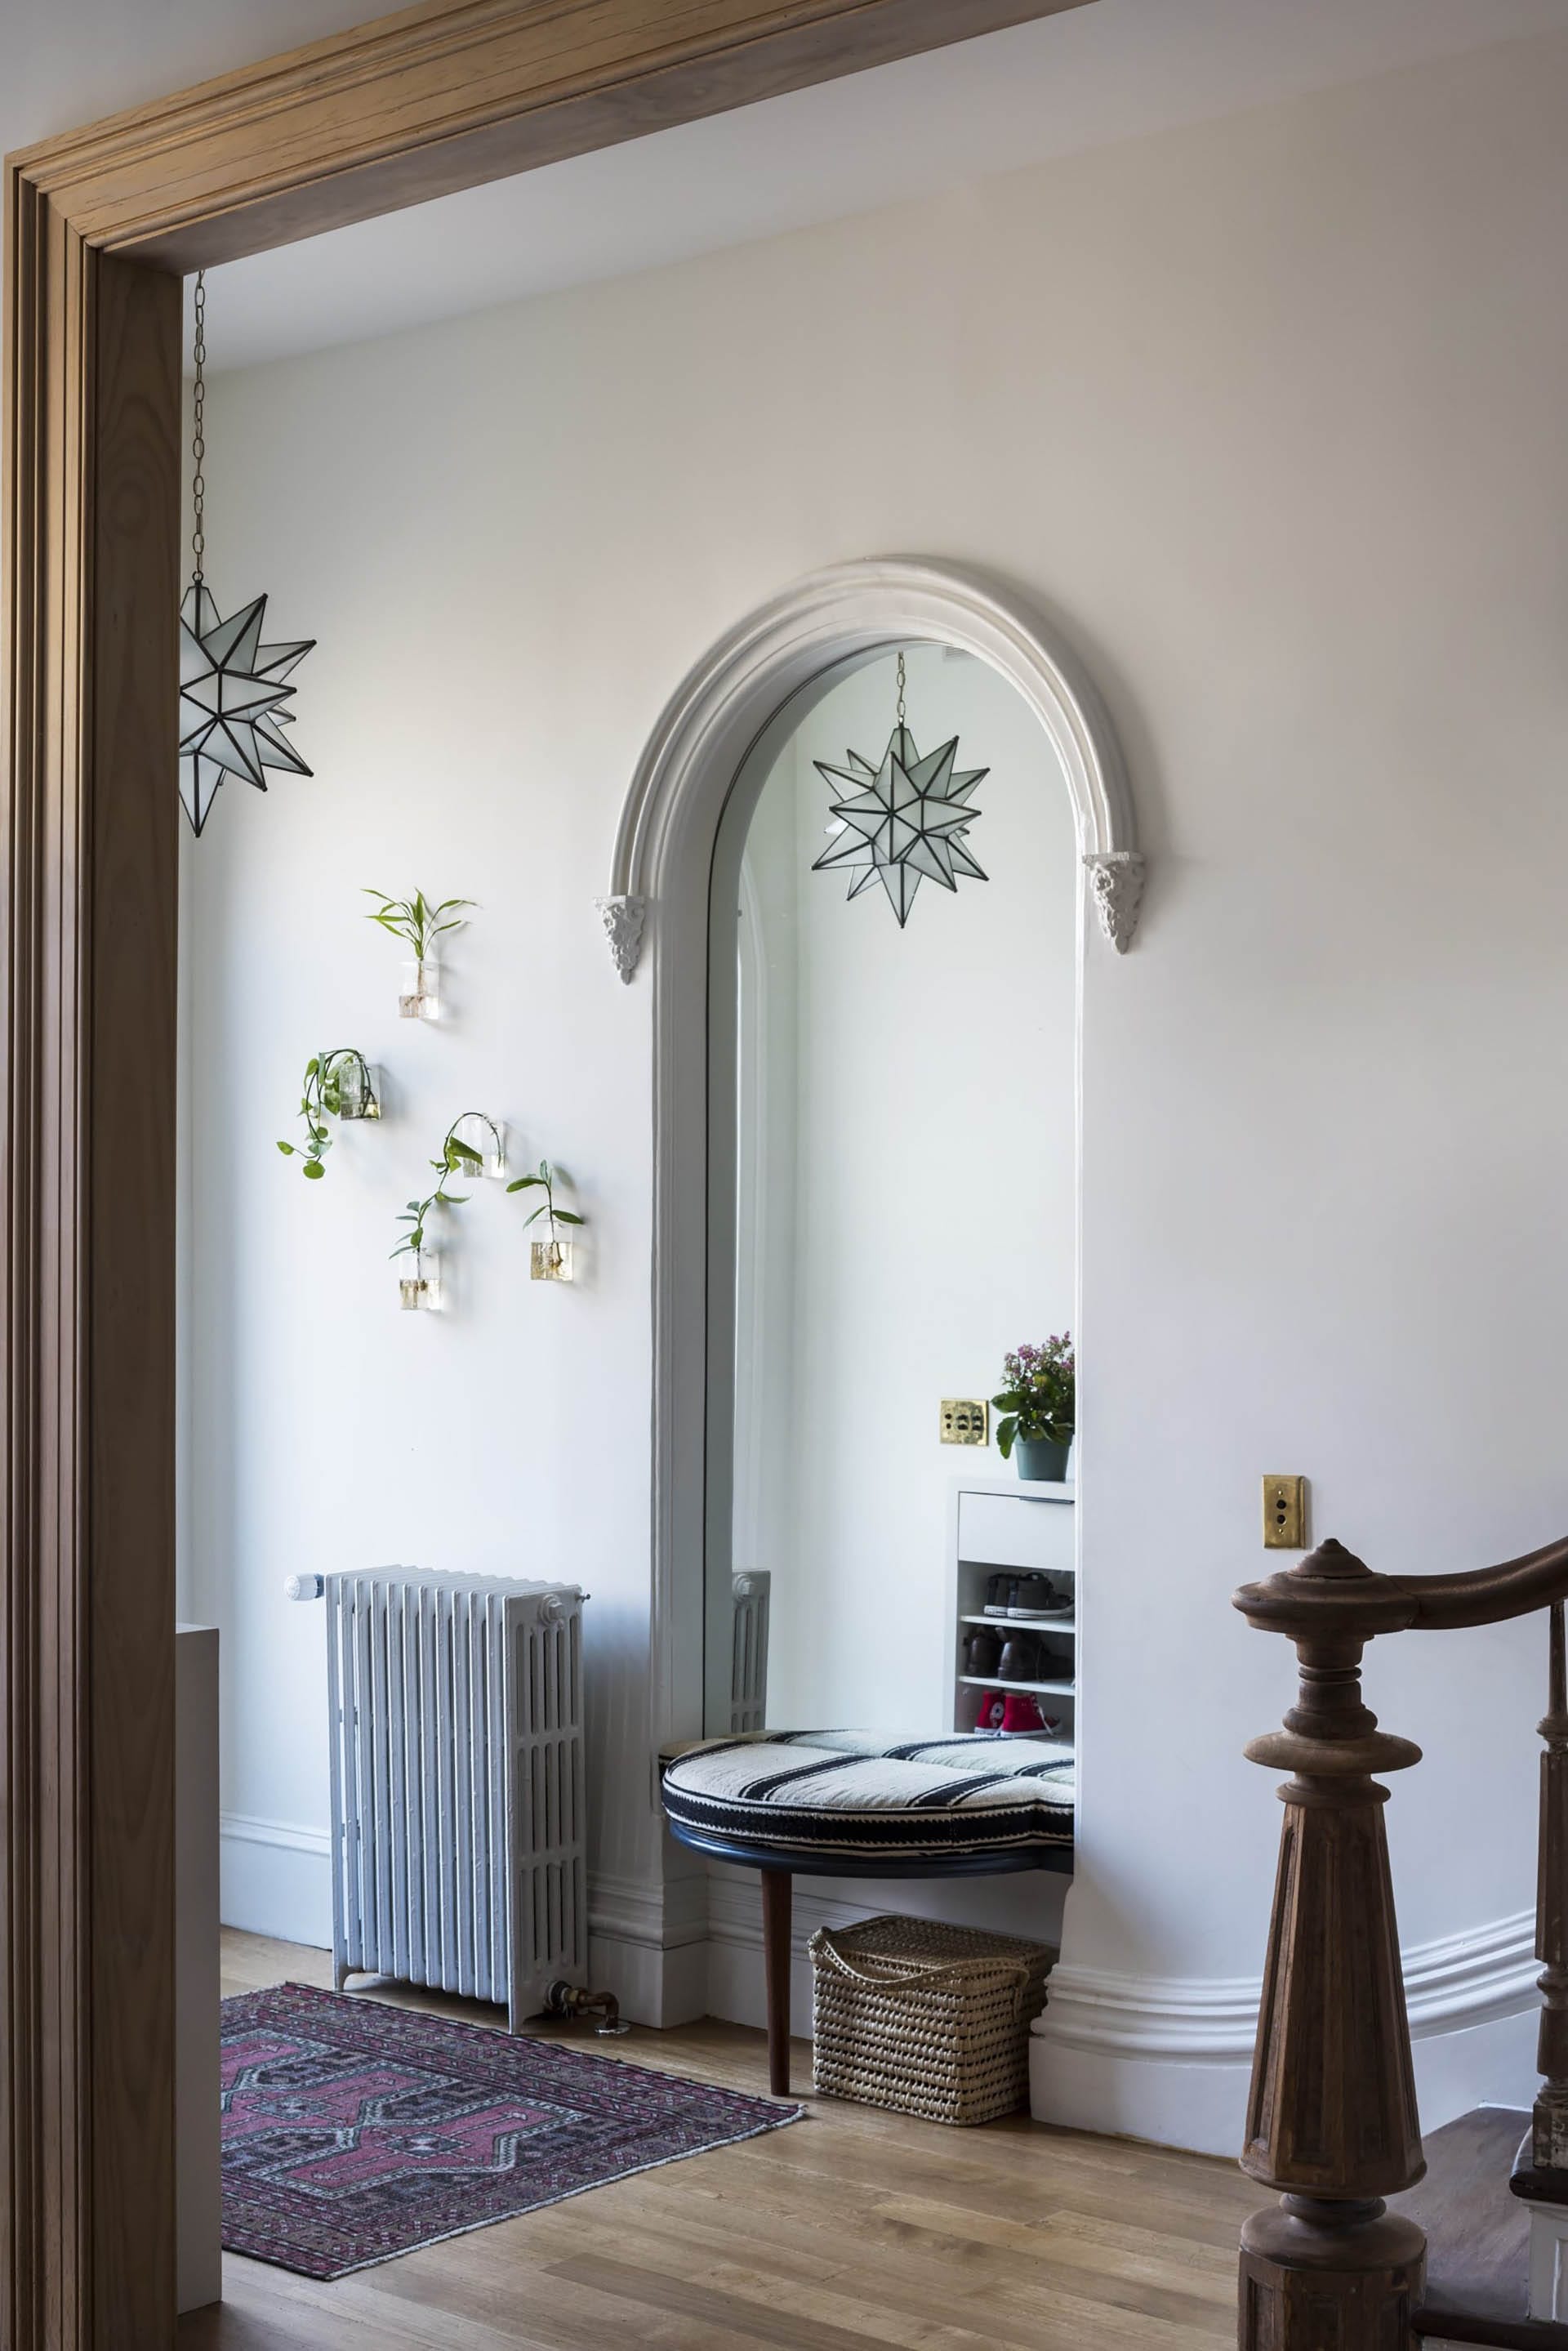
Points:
(857, 1803)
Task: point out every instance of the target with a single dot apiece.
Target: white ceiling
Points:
(1115, 69)
(63, 63)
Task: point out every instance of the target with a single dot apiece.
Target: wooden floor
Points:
(853, 2228)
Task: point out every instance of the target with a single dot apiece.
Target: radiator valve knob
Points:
(304, 1587)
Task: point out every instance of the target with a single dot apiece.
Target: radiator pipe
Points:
(566, 1999)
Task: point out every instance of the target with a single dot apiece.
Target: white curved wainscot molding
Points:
(831, 617)
(1168, 2058)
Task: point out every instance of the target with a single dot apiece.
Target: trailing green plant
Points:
(547, 1178)
(1040, 1397)
(460, 1158)
(416, 919)
(323, 1099)
(453, 1159)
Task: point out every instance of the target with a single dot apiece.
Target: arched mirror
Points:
(892, 1209)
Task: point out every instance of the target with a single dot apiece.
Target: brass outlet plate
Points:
(965, 1421)
(1284, 1514)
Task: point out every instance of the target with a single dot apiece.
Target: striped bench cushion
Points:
(863, 1792)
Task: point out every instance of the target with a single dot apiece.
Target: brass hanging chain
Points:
(901, 684)
(198, 436)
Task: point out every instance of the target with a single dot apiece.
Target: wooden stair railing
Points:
(1331, 2121)
(1549, 2121)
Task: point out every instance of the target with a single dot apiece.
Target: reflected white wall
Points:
(906, 1148)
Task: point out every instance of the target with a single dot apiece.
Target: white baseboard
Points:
(276, 1879)
(1203, 2103)
(1490, 2064)
(1169, 2101)
(646, 1944)
(1169, 2059)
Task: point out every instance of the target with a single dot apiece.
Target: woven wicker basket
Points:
(930, 2020)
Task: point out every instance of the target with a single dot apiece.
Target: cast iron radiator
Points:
(749, 1652)
(455, 1717)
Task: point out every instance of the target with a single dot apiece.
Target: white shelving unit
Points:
(1000, 1526)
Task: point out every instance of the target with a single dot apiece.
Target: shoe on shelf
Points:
(1021, 1713)
(1017, 1713)
(982, 1653)
(999, 1592)
(1037, 1595)
(1020, 1659)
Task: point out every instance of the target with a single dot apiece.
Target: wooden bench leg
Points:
(777, 1891)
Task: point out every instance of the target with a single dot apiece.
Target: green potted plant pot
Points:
(1042, 1456)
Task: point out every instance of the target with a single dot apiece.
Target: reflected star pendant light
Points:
(232, 686)
(907, 821)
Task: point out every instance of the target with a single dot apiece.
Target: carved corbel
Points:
(1116, 877)
(623, 920)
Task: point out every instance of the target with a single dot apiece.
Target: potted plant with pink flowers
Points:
(1039, 1407)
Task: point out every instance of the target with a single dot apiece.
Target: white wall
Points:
(922, 1153)
(1269, 416)
(766, 1079)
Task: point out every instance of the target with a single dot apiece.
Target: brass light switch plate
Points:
(1284, 1514)
(965, 1421)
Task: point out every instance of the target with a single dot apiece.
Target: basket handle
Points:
(824, 1946)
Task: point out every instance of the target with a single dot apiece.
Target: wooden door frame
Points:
(98, 226)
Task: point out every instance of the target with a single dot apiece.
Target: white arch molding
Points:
(828, 618)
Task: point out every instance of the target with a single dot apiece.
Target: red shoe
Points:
(1015, 1711)
(1021, 1711)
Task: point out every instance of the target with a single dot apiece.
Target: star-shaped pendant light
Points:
(906, 822)
(230, 691)
(232, 686)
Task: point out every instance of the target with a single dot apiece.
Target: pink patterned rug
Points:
(353, 2132)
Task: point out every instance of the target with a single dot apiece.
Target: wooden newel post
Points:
(1331, 2119)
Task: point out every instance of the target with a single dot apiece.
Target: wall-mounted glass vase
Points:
(354, 1087)
(550, 1258)
(419, 996)
(419, 1284)
(475, 1147)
